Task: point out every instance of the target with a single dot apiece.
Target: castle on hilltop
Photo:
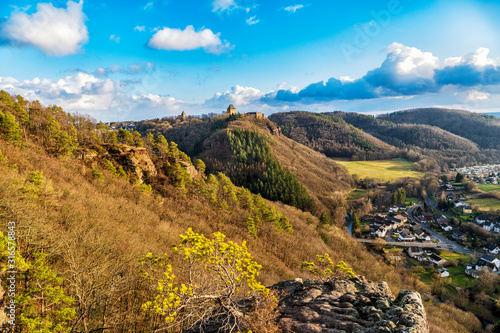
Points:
(231, 110)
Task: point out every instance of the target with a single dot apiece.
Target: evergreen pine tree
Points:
(10, 129)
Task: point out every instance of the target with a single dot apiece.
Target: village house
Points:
(378, 220)
(488, 226)
(401, 218)
(492, 248)
(419, 232)
(467, 209)
(380, 231)
(446, 227)
(437, 260)
(458, 235)
(496, 227)
(427, 217)
(487, 264)
(397, 207)
(415, 251)
(482, 218)
(401, 206)
(442, 219)
(443, 272)
(406, 236)
(487, 259)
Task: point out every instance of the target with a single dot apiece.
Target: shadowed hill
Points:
(479, 128)
(330, 135)
(403, 136)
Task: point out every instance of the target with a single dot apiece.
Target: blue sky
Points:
(154, 58)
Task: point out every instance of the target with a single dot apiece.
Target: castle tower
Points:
(231, 109)
(183, 116)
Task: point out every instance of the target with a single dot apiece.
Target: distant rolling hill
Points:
(494, 114)
(329, 134)
(434, 138)
(408, 134)
(480, 128)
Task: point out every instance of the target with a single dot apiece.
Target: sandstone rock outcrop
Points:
(348, 306)
(340, 306)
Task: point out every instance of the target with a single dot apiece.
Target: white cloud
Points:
(238, 95)
(159, 102)
(104, 99)
(477, 96)
(223, 5)
(114, 38)
(149, 6)
(478, 58)
(294, 8)
(252, 20)
(188, 39)
(411, 61)
(55, 31)
(346, 78)
(81, 91)
(140, 28)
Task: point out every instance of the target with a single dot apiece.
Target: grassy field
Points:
(385, 170)
(411, 201)
(448, 255)
(357, 194)
(489, 188)
(485, 204)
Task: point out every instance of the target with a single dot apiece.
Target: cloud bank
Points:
(54, 31)
(102, 98)
(406, 71)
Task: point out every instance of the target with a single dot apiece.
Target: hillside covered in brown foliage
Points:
(89, 203)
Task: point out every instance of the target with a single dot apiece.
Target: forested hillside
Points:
(254, 154)
(330, 135)
(364, 137)
(480, 128)
(89, 207)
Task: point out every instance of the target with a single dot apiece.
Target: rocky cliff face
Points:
(348, 306)
(340, 306)
(135, 161)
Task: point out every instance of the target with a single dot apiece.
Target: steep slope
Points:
(330, 135)
(325, 181)
(254, 154)
(479, 128)
(94, 207)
